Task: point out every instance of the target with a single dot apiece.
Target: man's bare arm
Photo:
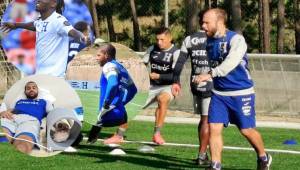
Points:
(7, 26)
(79, 37)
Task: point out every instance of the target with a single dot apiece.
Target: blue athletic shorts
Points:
(238, 110)
(115, 117)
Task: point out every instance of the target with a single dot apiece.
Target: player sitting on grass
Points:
(24, 120)
(117, 89)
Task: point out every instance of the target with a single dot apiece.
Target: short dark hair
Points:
(109, 49)
(81, 26)
(200, 15)
(221, 14)
(60, 6)
(29, 82)
(163, 30)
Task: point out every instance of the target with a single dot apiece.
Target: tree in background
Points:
(280, 27)
(265, 13)
(108, 6)
(297, 24)
(136, 29)
(191, 7)
(274, 17)
(235, 15)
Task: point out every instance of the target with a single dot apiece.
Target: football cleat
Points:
(264, 165)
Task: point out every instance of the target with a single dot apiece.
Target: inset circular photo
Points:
(41, 116)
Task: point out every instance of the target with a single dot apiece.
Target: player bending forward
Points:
(117, 89)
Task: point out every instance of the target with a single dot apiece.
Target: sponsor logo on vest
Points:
(200, 62)
(167, 57)
(223, 47)
(160, 68)
(196, 41)
(28, 102)
(199, 53)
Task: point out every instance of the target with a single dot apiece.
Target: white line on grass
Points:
(135, 104)
(195, 120)
(194, 145)
(225, 147)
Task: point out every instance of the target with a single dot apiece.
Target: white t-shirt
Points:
(52, 45)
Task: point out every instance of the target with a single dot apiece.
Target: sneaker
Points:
(157, 138)
(211, 168)
(214, 166)
(264, 165)
(93, 134)
(115, 139)
(203, 162)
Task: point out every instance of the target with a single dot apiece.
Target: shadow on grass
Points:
(146, 160)
(152, 160)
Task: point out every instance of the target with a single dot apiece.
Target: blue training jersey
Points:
(34, 107)
(237, 77)
(74, 48)
(116, 85)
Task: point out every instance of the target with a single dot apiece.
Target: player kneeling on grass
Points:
(22, 124)
(117, 89)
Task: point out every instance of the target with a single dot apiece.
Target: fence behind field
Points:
(277, 85)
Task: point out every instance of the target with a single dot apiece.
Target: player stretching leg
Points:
(117, 89)
(162, 58)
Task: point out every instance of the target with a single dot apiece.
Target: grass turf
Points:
(165, 157)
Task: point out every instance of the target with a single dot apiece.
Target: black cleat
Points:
(203, 162)
(93, 134)
(264, 165)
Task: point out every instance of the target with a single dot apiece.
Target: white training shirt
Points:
(52, 45)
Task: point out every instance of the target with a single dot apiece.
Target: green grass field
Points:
(165, 157)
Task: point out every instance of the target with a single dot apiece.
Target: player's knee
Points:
(163, 99)
(203, 123)
(215, 129)
(246, 132)
(23, 147)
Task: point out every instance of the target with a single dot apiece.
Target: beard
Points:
(31, 96)
(212, 33)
